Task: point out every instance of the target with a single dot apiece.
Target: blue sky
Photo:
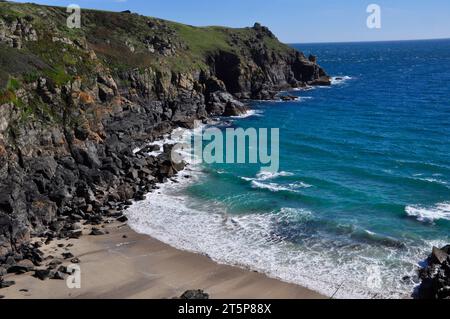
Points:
(296, 21)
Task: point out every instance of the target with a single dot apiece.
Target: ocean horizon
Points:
(294, 44)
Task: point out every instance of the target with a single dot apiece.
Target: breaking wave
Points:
(429, 214)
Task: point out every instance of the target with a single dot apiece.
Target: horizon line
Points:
(229, 27)
(369, 41)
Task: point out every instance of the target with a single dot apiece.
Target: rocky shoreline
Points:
(67, 133)
(75, 105)
(435, 275)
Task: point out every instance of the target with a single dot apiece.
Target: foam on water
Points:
(266, 175)
(368, 145)
(340, 79)
(260, 181)
(253, 241)
(429, 214)
(274, 187)
(247, 114)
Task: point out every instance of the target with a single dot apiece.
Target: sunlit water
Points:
(363, 192)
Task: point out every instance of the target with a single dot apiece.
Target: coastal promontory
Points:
(76, 102)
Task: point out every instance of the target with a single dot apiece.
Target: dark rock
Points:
(435, 276)
(6, 284)
(406, 278)
(18, 270)
(42, 274)
(63, 269)
(54, 263)
(10, 261)
(96, 232)
(75, 234)
(139, 197)
(75, 261)
(57, 275)
(312, 58)
(105, 93)
(288, 97)
(234, 108)
(224, 103)
(81, 132)
(322, 81)
(446, 249)
(67, 255)
(438, 256)
(194, 294)
(122, 219)
(21, 267)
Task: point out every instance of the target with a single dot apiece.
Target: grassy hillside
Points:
(120, 41)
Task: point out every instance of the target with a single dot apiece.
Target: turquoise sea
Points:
(363, 191)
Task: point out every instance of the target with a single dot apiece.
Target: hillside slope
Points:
(75, 102)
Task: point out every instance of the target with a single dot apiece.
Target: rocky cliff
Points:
(74, 103)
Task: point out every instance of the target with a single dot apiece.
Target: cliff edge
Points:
(74, 103)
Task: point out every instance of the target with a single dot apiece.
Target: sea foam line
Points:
(429, 214)
(260, 181)
(335, 80)
(250, 241)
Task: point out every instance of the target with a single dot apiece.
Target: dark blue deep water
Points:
(363, 191)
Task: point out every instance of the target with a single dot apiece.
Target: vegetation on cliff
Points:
(75, 102)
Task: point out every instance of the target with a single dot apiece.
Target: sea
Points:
(363, 190)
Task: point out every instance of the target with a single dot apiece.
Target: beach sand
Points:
(124, 264)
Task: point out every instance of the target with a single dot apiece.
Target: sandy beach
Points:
(124, 264)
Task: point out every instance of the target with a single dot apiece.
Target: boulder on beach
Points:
(194, 294)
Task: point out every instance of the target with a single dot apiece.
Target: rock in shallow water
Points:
(435, 275)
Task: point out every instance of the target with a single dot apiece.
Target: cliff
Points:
(74, 103)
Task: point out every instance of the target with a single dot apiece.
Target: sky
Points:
(297, 21)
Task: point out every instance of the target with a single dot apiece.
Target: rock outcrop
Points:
(14, 31)
(194, 295)
(74, 106)
(435, 275)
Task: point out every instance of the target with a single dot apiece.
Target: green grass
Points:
(202, 41)
(106, 33)
(58, 76)
(13, 84)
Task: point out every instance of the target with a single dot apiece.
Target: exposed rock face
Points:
(14, 31)
(68, 131)
(261, 74)
(436, 275)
